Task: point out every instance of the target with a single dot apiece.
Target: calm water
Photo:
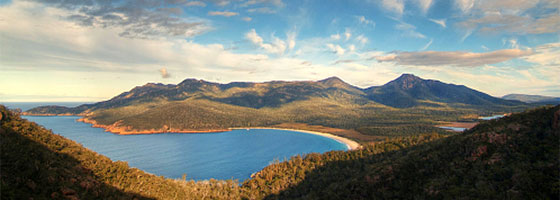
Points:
(492, 117)
(453, 128)
(235, 154)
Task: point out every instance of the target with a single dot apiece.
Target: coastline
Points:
(48, 115)
(115, 128)
(350, 144)
(466, 125)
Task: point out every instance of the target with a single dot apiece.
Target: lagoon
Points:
(234, 154)
(457, 129)
(492, 117)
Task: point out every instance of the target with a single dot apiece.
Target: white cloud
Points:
(464, 5)
(277, 3)
(89, 61)
(362, 39)
(164, 73)
(466, 35)
(424, 5)
(513, 43)
(440, 22)
(546, 55)
(134, 19)
(263, 10)
(221, 2)
(351, 48)
(291, 39)
(335, 36)
(195, 3)
(254, 37)
(514, 16)
(276, 47)
(409, 30)
(363, 20)
(222, 13)
(453, 58)
(337, 49)
(347, 34)
(427, 45)
(247, 19)
(485, 48)
(394, 6)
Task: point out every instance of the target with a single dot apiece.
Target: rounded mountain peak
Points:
(333, 81)
(406, 81)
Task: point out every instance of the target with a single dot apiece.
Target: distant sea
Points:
(234, 154)
(24, 106)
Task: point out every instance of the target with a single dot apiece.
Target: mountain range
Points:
(406, 91)
(532, 98)
(406, 104)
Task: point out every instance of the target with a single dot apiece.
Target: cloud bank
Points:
(453, 58)
(135, 19)
(222, 13)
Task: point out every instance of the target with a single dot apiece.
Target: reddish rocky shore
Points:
(117, 128)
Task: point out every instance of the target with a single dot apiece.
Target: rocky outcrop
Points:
(121, 129)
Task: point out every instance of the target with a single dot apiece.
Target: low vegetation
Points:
(515, 157)
(405, 106)
(37, 164)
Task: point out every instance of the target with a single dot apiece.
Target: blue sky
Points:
(61, 50)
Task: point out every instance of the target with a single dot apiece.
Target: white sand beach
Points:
(348, 142)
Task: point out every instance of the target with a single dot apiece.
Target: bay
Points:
(234, 154)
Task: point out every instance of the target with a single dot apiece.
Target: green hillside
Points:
(406, 106)
(511, 158)
(37, 164)
(515, 157)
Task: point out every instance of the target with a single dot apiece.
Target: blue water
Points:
(492, 117)
(453, 128)
(229, 155)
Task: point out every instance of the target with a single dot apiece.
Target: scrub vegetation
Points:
(405, 106)
(515, 157)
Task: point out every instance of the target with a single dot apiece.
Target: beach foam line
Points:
(350, 144)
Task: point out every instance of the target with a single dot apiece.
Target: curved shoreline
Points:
(116, 129)
(350, 144)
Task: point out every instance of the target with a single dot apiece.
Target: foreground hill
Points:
(515, 157)
(511, 158)
(532, 98)
(37, 164)
(407, 105)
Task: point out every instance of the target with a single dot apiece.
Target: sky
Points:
(92, 50)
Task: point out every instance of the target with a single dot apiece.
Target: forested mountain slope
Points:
(37, 164)
(511, 158)
(405, 106)
(515, 157)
